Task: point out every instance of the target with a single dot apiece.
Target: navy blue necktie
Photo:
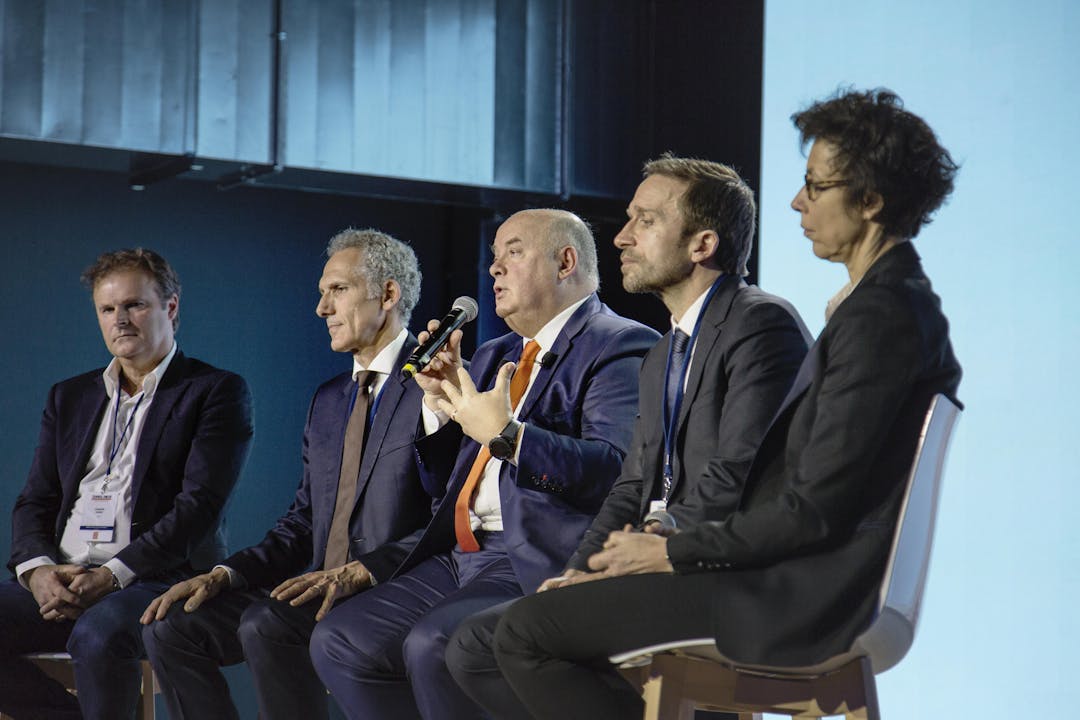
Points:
(680, 342)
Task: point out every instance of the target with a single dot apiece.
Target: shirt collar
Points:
(383, 363)
(111, 376)
(835, 301)
(689, 318)
(550, 332)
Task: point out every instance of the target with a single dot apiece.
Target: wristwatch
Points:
(503, 445)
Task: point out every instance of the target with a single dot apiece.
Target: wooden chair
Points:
(681, 676)
(58, 666)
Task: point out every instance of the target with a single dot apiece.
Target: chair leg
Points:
(869, 709)
(63, 671)
(664, 699)
(146, 700)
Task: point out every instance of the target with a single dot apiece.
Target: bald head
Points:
(561, 228)
(544, 261)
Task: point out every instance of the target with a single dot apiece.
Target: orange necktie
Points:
(518, 383)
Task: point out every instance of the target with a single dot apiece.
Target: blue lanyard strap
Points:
(671, 415)
(116, 443)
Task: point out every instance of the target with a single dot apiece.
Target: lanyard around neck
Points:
(671, 415)
(116, 443)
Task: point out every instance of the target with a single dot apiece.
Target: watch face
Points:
(500, 447)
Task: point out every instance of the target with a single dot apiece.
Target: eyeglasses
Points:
(814, 189)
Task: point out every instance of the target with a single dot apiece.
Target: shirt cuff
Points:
(236, 580)
(433, 419)
(120, 571)
(520, 442)
(27, 566)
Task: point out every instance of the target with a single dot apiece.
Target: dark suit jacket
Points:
(390, 500)
(802, 560)
(749, 346)
(578, 417)
(193, 444)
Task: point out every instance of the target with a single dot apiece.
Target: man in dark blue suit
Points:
(335, 539)
(133, 467)
(521, 464)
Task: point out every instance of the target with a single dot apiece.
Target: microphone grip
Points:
(436, 340)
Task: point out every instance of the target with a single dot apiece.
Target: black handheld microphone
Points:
(463, 311)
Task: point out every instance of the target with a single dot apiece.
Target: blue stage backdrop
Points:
(998, 81)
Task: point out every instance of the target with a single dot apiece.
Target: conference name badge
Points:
(98, 521)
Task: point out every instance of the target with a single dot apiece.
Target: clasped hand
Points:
(625, 552)
(63, 592)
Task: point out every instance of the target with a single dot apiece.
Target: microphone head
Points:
(663, 517)
(467, 305)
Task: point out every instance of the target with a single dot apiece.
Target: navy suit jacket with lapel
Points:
(812, 534)
(193, 444)
(390, 500)
(749, 346)
(578, 417)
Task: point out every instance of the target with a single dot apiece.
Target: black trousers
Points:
(552, 648)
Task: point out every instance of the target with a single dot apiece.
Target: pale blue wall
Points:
(1000, 83)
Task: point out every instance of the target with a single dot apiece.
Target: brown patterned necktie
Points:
(337, 543)
(462, 525)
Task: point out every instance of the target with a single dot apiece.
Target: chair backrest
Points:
(889, 637)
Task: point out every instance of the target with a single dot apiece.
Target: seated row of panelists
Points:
(428, 509)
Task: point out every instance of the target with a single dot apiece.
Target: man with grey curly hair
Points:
(360, 499)
(384, 258)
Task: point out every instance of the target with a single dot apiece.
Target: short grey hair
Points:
(384, 257)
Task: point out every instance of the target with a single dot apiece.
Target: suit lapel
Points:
(331, 442)
(561, 349)
(172, 387)
(803, 378)
(714, 316)
(92, 407)
(393, 390)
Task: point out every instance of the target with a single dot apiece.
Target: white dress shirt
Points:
(686, 323)
(110, 471)
(486, 512)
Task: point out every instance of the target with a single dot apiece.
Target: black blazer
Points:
(390, 500)
(193, 444)
(799, 565)
(749, 346)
